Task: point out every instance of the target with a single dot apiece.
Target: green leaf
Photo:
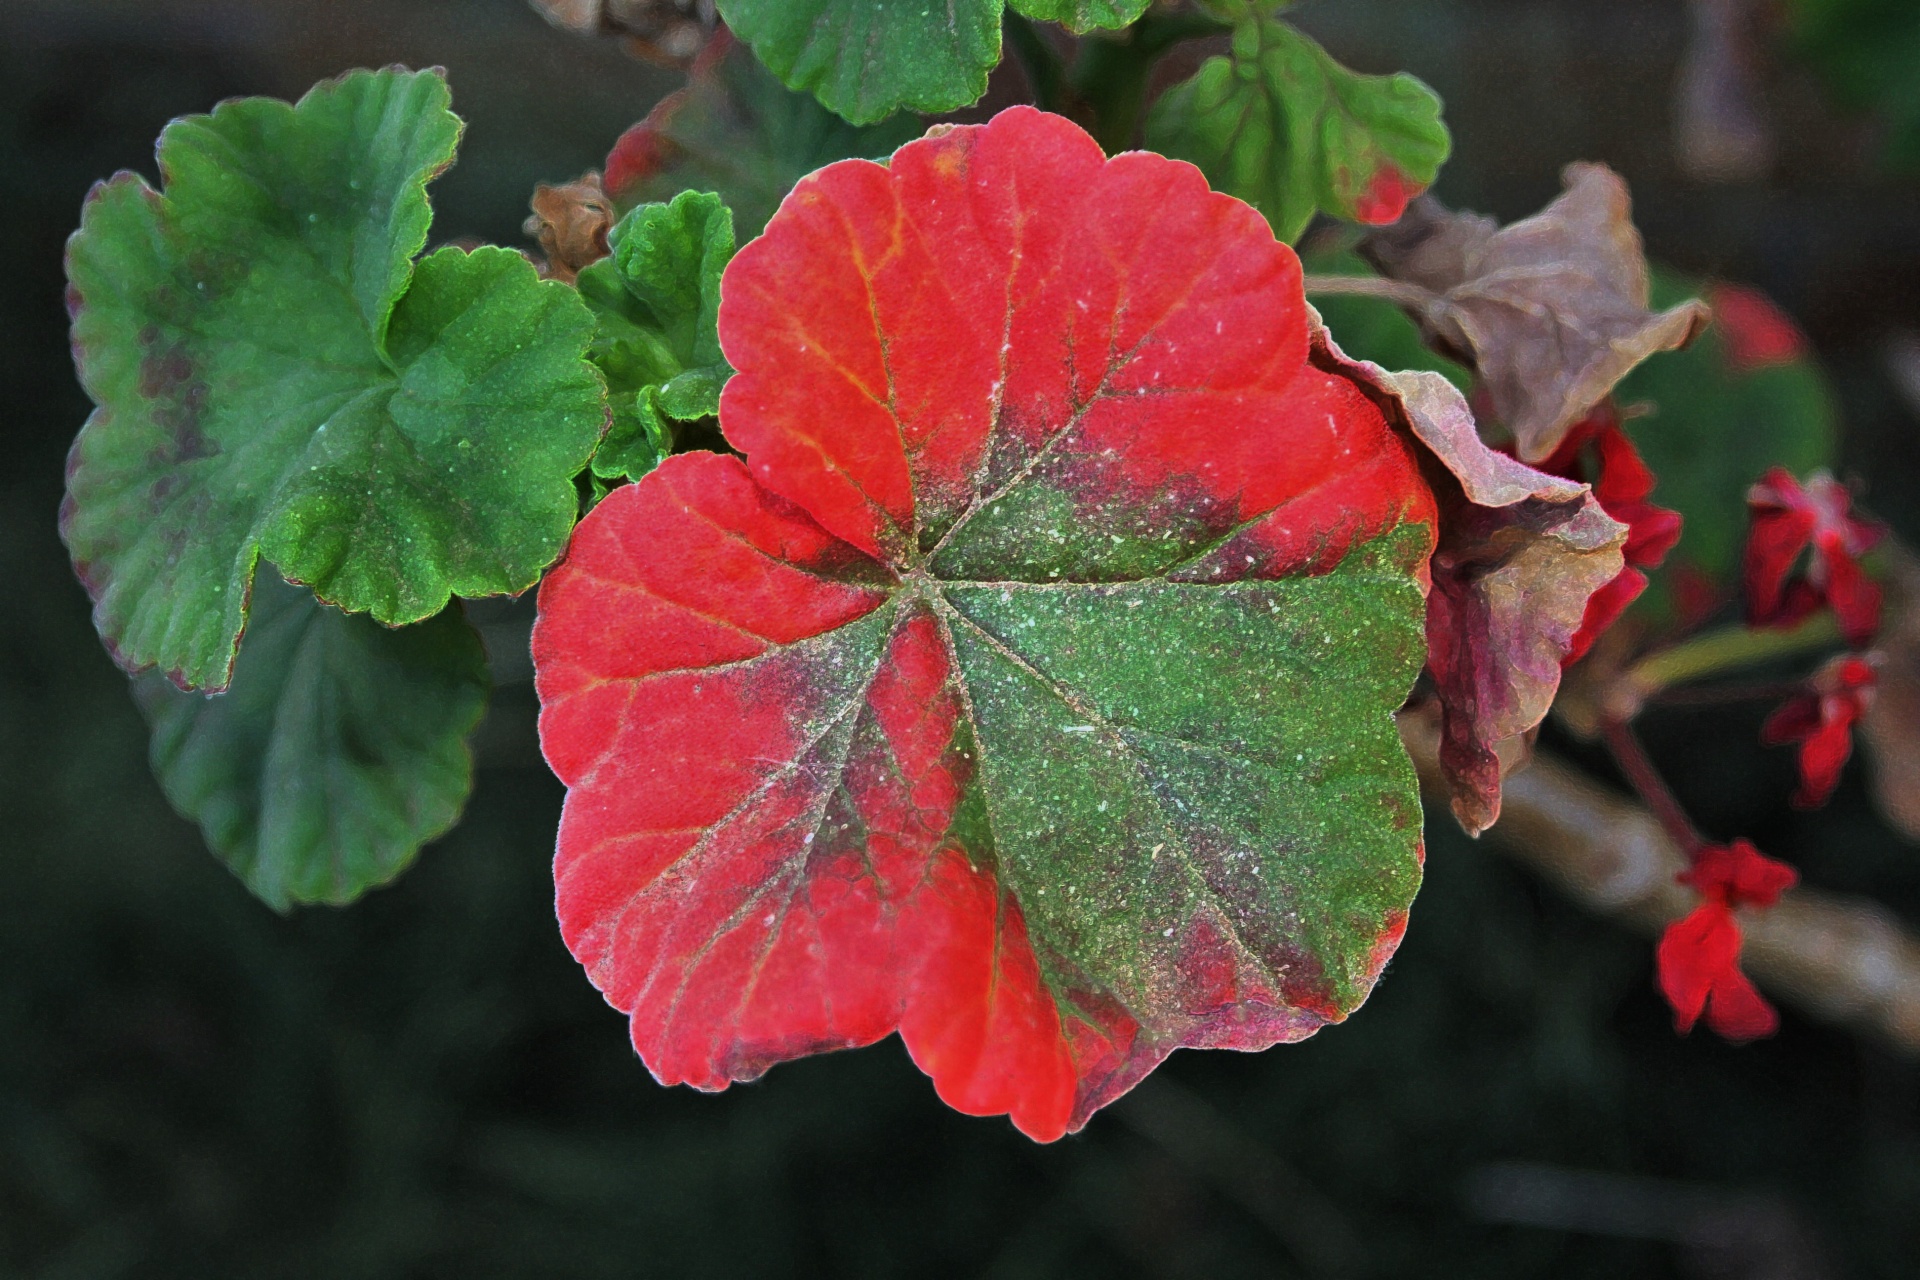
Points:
(1713, 424)
(339, 750)
(1289, 130)
(865, 60)
(1374, 328)
(737, 131)
(655, 300)
(276, 376)
(1082, 15)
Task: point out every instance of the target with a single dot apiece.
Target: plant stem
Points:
(1726, 649)
(1407, 295)
(1720, 695)
(1111, 73)
(1624, 744)
(1046, 70)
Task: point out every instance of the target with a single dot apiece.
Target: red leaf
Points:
(1001, 369)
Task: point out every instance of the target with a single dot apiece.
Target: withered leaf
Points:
(571, 222)
(1551, 310)
(1520, 552)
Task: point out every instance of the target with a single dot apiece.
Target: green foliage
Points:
(1868, 52)
(277, 377)
(339, 750)
(1283, 126)
(866, 59)
(1714, 427)
(655, 301)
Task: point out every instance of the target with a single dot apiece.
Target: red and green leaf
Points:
(1028, 688)
(1285, 127)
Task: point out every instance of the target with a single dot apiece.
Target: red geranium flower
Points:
(1699, 955)
(1753, 329)
(1789, 519)
(1821, 720)
(1598, 451)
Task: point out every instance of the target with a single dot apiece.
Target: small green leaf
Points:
(339, 750)
(1711, 423)
(276, 376)
(655, 300)
(1289, 130)
(737, 131)
(1082, 15)
(866, 60)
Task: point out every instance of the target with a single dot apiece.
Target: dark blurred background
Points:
(425, 1085)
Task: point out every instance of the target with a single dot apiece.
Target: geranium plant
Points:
(989, 589)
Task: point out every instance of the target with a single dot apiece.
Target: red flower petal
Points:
(1753, 329)
(1738, 1012)
(1694, 954)
(1787, 518)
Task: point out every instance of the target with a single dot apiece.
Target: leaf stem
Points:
(1726, 649)
(1624, 745)
(1407, 295)
(1112, 71)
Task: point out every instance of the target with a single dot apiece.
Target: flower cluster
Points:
(1790, 519)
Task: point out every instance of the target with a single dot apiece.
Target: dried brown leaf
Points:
(671, 32)
(1520, 553)
(1552, 310)
(571, 222)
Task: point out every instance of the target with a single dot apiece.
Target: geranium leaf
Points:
(1711, 419)
(1028, 689)
(1521, 553)
(1283, 126)
(338, 751)
(1082, 15)
(865, 61)
(1551, 311)
(656, 300)
(736, 131)
(276, 376)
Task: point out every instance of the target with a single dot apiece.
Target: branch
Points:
(1839, 958)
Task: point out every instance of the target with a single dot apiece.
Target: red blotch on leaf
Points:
(1698, 958)
(747, 670)
(1755, 332)
(1386, 196)
(1789, 519)
(1821, 721)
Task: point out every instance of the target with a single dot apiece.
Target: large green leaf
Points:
(1713, 424)
(866, 59)
(339, 750)
(277, 376)
(1283, 126)
(656, 298)
(737, 131)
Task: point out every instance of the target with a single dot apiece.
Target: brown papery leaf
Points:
(571, 222)
(1892, 722)
(1552, 310)
(1519, 554)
